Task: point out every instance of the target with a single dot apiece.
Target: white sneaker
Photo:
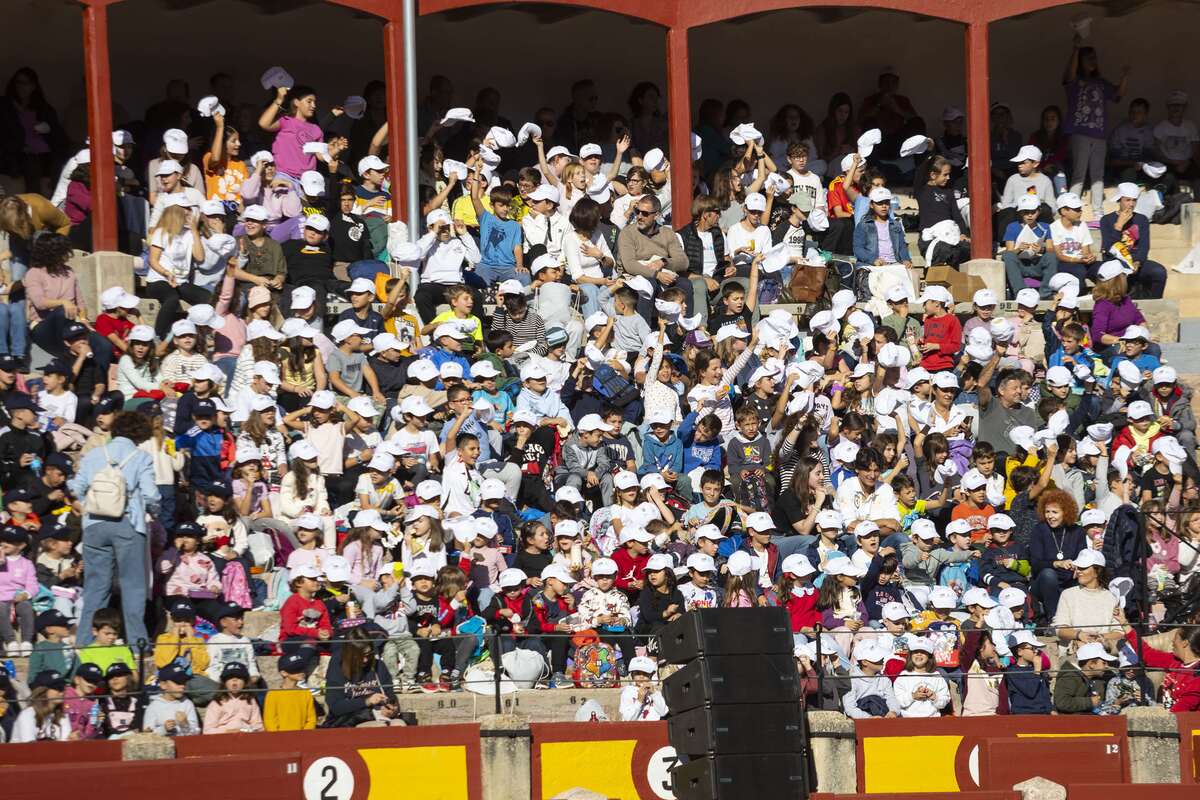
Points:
(12, 650)
(26, 649)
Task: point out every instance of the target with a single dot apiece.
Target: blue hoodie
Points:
(696, 454)
(658, 455)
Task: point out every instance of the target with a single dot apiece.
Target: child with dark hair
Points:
(501, 249)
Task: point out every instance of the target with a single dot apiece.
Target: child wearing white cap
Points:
(642, 701)
(1028, 249)
(1127, 232)
(1073, 244)
(921, 691)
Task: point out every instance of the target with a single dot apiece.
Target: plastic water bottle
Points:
(94, 716)
(36, 465)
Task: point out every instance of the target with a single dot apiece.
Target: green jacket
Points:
(1073, 691)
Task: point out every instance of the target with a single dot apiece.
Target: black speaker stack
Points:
(736, 719)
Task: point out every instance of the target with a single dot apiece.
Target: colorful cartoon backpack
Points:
(596, 664)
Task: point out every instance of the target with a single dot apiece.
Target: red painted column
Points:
(979, 145)
(393, 64)
(99, 101)
(679, 119)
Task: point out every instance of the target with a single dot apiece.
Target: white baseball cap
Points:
(660, 561)
(303, 450)
(977, 596)
(1093, 516)
(512, 577)
(117, 297)
(829, 519)
(924, 529)
(797, 564)
(709, 532)
(603, 566)
(593, 422)
(760, 521)
(347, 328)
(1088, 558)
(371, 162)
(943, 597)
(984, 298)
(701, 562)
(1027, 152)
(1092, 650)
(1139, 409)
(558, 572)
(1028, 298)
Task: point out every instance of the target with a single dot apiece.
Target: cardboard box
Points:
(962, 287)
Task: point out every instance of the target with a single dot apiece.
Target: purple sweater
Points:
(20, 576)
(1113, 318)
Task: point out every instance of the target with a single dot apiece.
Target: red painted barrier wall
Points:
(221, 778)
(439, 762)
(617, 759)
(953, 753)
(59, 752)
(1129, 791)
(1004, 763)
(1189, 747)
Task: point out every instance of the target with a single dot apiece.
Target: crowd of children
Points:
(548, 426)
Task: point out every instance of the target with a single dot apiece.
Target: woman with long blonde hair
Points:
(44, 719)
(574, 187)
(176, 246)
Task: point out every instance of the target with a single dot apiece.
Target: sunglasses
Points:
(642, 213)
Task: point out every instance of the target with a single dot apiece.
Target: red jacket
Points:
(629, 568)
(1125, 437)
(945, 331)
(293, 625)
(1181, 686)
(803, 610)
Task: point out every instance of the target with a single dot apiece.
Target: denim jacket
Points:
(866, 241)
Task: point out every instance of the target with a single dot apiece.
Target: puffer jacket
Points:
(1178, 407)
(694, 250)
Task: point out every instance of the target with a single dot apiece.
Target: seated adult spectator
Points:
(1178, 142)
(30, 133)
(1114, 310)
(55, 299)
(1127, 232)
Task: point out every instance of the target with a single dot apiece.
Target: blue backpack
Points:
(613, 386)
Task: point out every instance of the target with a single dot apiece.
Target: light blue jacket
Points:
(141, 492)
(547, 404)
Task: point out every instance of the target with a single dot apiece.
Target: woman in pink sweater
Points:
(231, 711)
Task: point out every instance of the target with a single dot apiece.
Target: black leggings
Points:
(443, 647)
(169, 297)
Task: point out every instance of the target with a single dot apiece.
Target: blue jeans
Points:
(792, 543)
(105, 545)
(592, 298)
(13, 340)
(494, 273)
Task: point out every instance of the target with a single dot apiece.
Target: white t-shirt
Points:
(420, 445)
(176, 256)
(460, 490)
(710, 253)
(737, 236)
(1071, 242)
(60, 405)
(1176, 142)
(809, 184)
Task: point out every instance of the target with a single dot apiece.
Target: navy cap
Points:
(19, 400)
(182, 611)
(57, 368)
(21, 495)
(293, 663)
(59, 461)
(52, 617)
(11, 535)
(90, 672)
(49, 679)
(74, 330)
(173, 673)
(117, 669)
(235, 669)
(150, 409)
(113, 401)
(192, 529)
(219, 489)
(58, 533)
(9, 364)
(230, 610)
(204, 408)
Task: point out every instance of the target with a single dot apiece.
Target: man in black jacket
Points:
(704, 245)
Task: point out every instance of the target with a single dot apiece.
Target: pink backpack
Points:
(234, 585)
